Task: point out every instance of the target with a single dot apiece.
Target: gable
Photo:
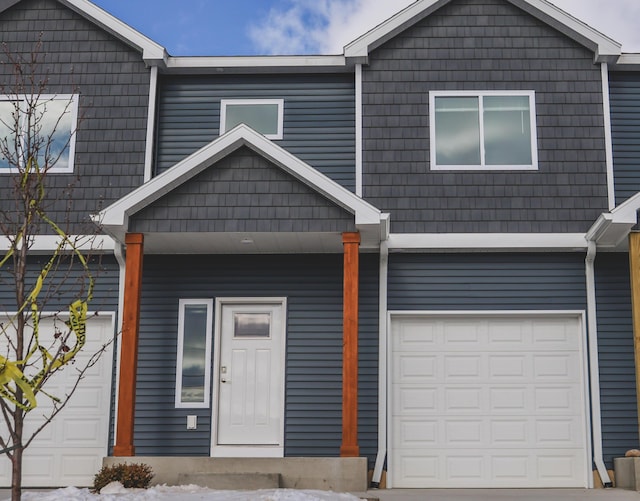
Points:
(243, 192)
(604, 48)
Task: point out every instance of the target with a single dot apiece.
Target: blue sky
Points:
(250, 27)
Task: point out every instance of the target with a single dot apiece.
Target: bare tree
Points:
(36, 132)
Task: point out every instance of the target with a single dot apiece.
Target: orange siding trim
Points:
(634, 271)
(129, 345)
(349, 446)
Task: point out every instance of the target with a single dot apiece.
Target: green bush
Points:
(133, 475)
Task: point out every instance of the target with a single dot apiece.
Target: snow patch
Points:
(116, 492)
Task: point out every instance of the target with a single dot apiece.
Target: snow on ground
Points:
(116, 492)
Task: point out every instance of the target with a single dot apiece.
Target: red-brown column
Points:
(349, 447)
(129, 345)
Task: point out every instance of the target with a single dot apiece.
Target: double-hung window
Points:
(492, 130)
(42, 127)
(263, 115)
(193, 372)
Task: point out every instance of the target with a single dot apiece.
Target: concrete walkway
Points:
(501, 495)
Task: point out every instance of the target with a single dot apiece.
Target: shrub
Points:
(132, 475)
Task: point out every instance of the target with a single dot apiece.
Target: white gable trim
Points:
(115, 217)
(605, 49)
(152, 53)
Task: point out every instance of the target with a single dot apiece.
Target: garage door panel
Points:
(500, 404)
(69, 450)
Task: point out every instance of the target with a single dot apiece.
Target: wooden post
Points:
(129, 345)
(349, 446)
(634, 273)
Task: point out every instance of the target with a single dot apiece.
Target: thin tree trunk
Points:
(16, 461)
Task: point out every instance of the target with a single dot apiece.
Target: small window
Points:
(489, 130)
(193, 372)
(252, 325)
(49, 123)
(263, 115)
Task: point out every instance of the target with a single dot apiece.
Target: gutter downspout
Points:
(594, 369)
(382, 366)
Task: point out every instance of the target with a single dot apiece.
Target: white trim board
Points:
(436, 242)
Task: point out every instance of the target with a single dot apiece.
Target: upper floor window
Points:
(42, 127)
(263, 115)
(493, 130)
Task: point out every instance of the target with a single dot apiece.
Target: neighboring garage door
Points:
(487, 401)
(70, 449)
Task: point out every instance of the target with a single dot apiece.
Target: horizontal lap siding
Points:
(484, 45)
(313, 287)
(617, 361)
(319, 117)
(625, 131)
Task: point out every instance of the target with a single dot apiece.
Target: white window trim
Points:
(73, 109)
(279, 102)
(481, 94)
(207, 367)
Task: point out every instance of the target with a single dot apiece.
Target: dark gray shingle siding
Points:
(313, 287)
(243, 192)
(319, 117)
(484, 45)
(625, 131)
(113, 84)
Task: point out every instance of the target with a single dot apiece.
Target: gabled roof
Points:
(369, 220)
(605, 49)
(152, 53)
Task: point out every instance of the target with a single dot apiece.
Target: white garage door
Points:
(70, 449)
(487, 401)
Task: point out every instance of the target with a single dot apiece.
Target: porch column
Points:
(349, 447)
(129, 345)
(634, 272)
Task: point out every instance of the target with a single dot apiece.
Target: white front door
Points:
(249, 380)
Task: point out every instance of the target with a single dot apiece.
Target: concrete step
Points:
(232, 481)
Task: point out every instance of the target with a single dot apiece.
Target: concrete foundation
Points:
(335, 474)
(627, 473)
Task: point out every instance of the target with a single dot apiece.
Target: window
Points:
(193, 372)
(263, 115)
(252, 325)
(45, 126)
(486, 130)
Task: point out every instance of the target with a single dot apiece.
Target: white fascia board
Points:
(386, 30)
(605, 49)
(49, 243)
(611, 228)
(152, 53)
(254, 63)
(627, 62)
(115, 216)
(481, 242)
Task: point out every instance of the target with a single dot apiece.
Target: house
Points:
(411, 257)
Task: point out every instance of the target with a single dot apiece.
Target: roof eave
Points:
(152, 53)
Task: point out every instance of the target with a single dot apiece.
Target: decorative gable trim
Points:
(115, 218)
(605, 49)
(152, 53)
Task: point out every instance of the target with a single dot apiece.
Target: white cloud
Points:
(326, 26)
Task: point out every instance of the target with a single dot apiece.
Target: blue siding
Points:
(313, 287)
(617, 362)
(319, 117)
(486, 282)
(625, 130)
